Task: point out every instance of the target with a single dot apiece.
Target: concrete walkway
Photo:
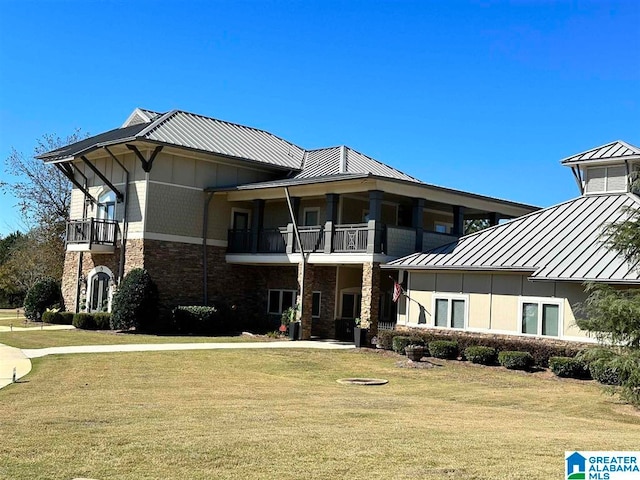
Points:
(11, 357)
(16, 328)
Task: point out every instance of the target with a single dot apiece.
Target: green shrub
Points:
(102, 320)
(569, 367)
(135, 303)
(385, 339)
(84, 321)
(58, 318)
(198, 320)
(44, 294)
(604, 371)
(480, 354)
(516, 360)
(444, 349)
(401, 341)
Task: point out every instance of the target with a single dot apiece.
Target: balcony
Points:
(92, 235)
(370, 238)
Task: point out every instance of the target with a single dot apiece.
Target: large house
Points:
(223, 213)
(527, 276)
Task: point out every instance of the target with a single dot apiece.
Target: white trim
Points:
(449, 297)
(540, 301)
(169, 184)
(109, 292)
(315, 258)
(281, 290)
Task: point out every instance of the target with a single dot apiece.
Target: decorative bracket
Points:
(146, 164)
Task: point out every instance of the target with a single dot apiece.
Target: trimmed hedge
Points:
(44, 294)
(402, 341)
(58, 318)
(516, 360)
(480, 354)
(569, 367)
(92, 321)
(446, 349)
(198, 320)
(540, 348)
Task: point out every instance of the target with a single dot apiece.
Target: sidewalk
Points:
(11, 357)
(16, 328)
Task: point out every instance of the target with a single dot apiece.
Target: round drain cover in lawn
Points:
(363, 381)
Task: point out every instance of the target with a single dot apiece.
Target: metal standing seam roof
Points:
(327, 161)
(199, 133)
(614, 150)
(562, 242)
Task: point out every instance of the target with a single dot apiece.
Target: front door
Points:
(99, 292)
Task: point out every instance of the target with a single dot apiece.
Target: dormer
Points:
(610, 168)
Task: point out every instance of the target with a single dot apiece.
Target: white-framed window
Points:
(240, 218)
(315, 304)
(106, 206)
(280, 300)
(540, 316)
(450, 311)
(311, 216)
(606, 179)
(99, 290)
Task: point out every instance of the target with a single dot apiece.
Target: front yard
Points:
(282, 415)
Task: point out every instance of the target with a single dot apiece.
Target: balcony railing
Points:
(92, 231)
(369, 237)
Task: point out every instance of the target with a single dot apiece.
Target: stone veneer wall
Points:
(324, 281)
(134, 257)
(370, 307)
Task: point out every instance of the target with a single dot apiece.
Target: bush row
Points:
(540, 349)
(58, 318)
(198, 320)
(92, 321)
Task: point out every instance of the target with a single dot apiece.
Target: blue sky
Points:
(481, 96)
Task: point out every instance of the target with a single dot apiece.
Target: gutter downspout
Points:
(304, 258)
(205, 227)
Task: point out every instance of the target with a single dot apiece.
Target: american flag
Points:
(397, 291)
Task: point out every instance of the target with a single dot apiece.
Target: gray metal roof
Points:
(562, 242)
(196, 132)
(339, 160)
(610, 151)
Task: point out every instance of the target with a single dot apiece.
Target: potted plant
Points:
(360, 332)
(288, 320)
(414, 352)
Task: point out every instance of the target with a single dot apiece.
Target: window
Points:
(315, 305)
(311, 216)
(606, 179)
(450, 312)
(107, 206)
(540, 317)
(280, 300)
(240, 220)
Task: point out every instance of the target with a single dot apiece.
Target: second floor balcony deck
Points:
(366, 238)
(92, 235)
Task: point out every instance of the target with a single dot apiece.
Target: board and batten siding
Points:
(493, 300)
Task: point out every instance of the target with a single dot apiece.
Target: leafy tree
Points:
(613, 314)
(44, 294)
(472, 226)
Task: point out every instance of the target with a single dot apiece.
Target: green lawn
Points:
(281, 414)
(57, 338)
(15, 317)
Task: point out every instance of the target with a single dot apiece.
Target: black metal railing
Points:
(92, 231)
(312, 239)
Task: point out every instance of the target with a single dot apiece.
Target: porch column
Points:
(256, 224)
(418, 222)
(458, 220)
(332, 218)
(370, 306)
(494, 218)
(305, 285)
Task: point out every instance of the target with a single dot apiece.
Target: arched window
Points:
(107, 206)
(99, 289)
